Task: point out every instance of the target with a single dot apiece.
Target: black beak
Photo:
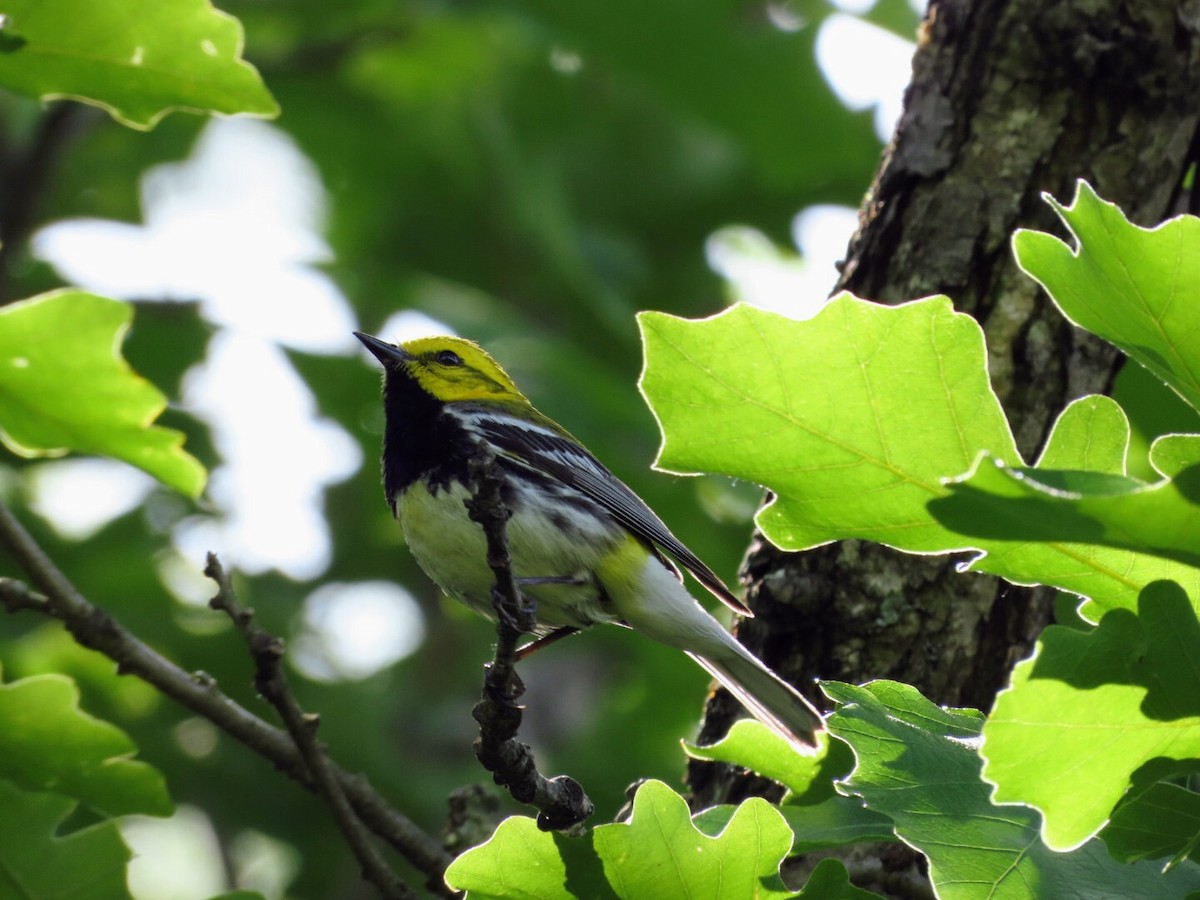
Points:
(388, 354)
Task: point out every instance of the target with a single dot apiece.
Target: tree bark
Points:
(1009, 99)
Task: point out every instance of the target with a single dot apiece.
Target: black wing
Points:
(564, 459)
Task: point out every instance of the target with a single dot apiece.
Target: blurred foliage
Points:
(89, 862)
(531, 174)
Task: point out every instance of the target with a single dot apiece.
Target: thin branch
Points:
(16, 596)
(267, 651)
(561, 801)
(94, 628)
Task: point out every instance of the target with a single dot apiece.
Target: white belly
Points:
(452, 551)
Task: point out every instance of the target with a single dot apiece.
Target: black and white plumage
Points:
(589, 549)
(545, 448)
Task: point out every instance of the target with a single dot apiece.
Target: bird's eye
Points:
(448, 358)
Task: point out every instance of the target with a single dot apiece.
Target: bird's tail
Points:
(768, 697)
(648, 597)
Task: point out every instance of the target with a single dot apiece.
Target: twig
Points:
(267, 651)
(561, 801)
(94, 628)
(16, 596)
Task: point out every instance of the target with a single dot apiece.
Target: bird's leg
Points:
(545, 641)
(558, 633)
(524, 621)
(520, 620)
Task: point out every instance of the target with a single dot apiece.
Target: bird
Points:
(585, 549)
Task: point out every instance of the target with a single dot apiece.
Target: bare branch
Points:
(561, 801)
(94, 628)
(267, 652)
(16, 596)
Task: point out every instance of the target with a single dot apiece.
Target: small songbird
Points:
(584, 547)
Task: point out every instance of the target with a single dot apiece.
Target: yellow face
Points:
(452, 368)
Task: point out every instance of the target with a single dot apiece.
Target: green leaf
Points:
(918, 764)
(862, 451)
(38, 864)
(1172, 453)
(1033, 520)
(1132, 286)
(1091, 435)
(835, 822)
(751, 744)
(1163, 820)
(519, 860)
(658, 853)
(818, 816)
(50, 649)
(816, 411)
(48, 743)
(830, 881)
(1090, 708)
(137, 60)
(64, 386)
(1154, 410)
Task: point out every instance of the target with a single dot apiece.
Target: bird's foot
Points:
(521, 618)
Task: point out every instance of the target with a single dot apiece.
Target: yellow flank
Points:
(649, 597)
(477, 377)
(621, 569)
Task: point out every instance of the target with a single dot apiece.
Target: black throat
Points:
(420, 440)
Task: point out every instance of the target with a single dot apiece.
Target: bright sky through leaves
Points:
(238, 226)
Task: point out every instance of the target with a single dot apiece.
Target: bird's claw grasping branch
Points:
(561, 801)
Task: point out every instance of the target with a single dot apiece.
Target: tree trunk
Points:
(1009, 99)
